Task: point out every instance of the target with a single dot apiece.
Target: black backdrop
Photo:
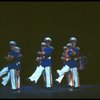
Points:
(29, 22)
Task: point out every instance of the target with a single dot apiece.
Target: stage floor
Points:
(85, 91)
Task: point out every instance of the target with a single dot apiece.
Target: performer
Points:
(39, 69)
(74, 80)
(5, 69)
(71, 65)
(12, 59)
(45, 64)
(78, 64)
(17, 68)
(40, 57)
(17, 71)
(65, 57)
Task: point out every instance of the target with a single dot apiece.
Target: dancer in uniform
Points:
(5, 69)
(17, 71)
(44, 65)
(12, 57)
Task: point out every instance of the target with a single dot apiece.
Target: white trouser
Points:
(36, 75)
(3, 71)
(48, 76)
(12, 77)
(5, 79)
(63, 70)
(59, 79)
(75, 76)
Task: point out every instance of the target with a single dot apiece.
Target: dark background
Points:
(29, 22)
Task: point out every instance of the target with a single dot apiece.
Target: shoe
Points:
(33, 82)
(14, 90)
(18, 90)
(28, 79)
(57, 83)
(1, 85)
(70, 88)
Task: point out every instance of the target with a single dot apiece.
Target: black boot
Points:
(57, 83)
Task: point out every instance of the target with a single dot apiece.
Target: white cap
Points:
(69, 44)
(12, 43)
(73, 39)
(64, 47)
(47, 39)
(43, 43)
